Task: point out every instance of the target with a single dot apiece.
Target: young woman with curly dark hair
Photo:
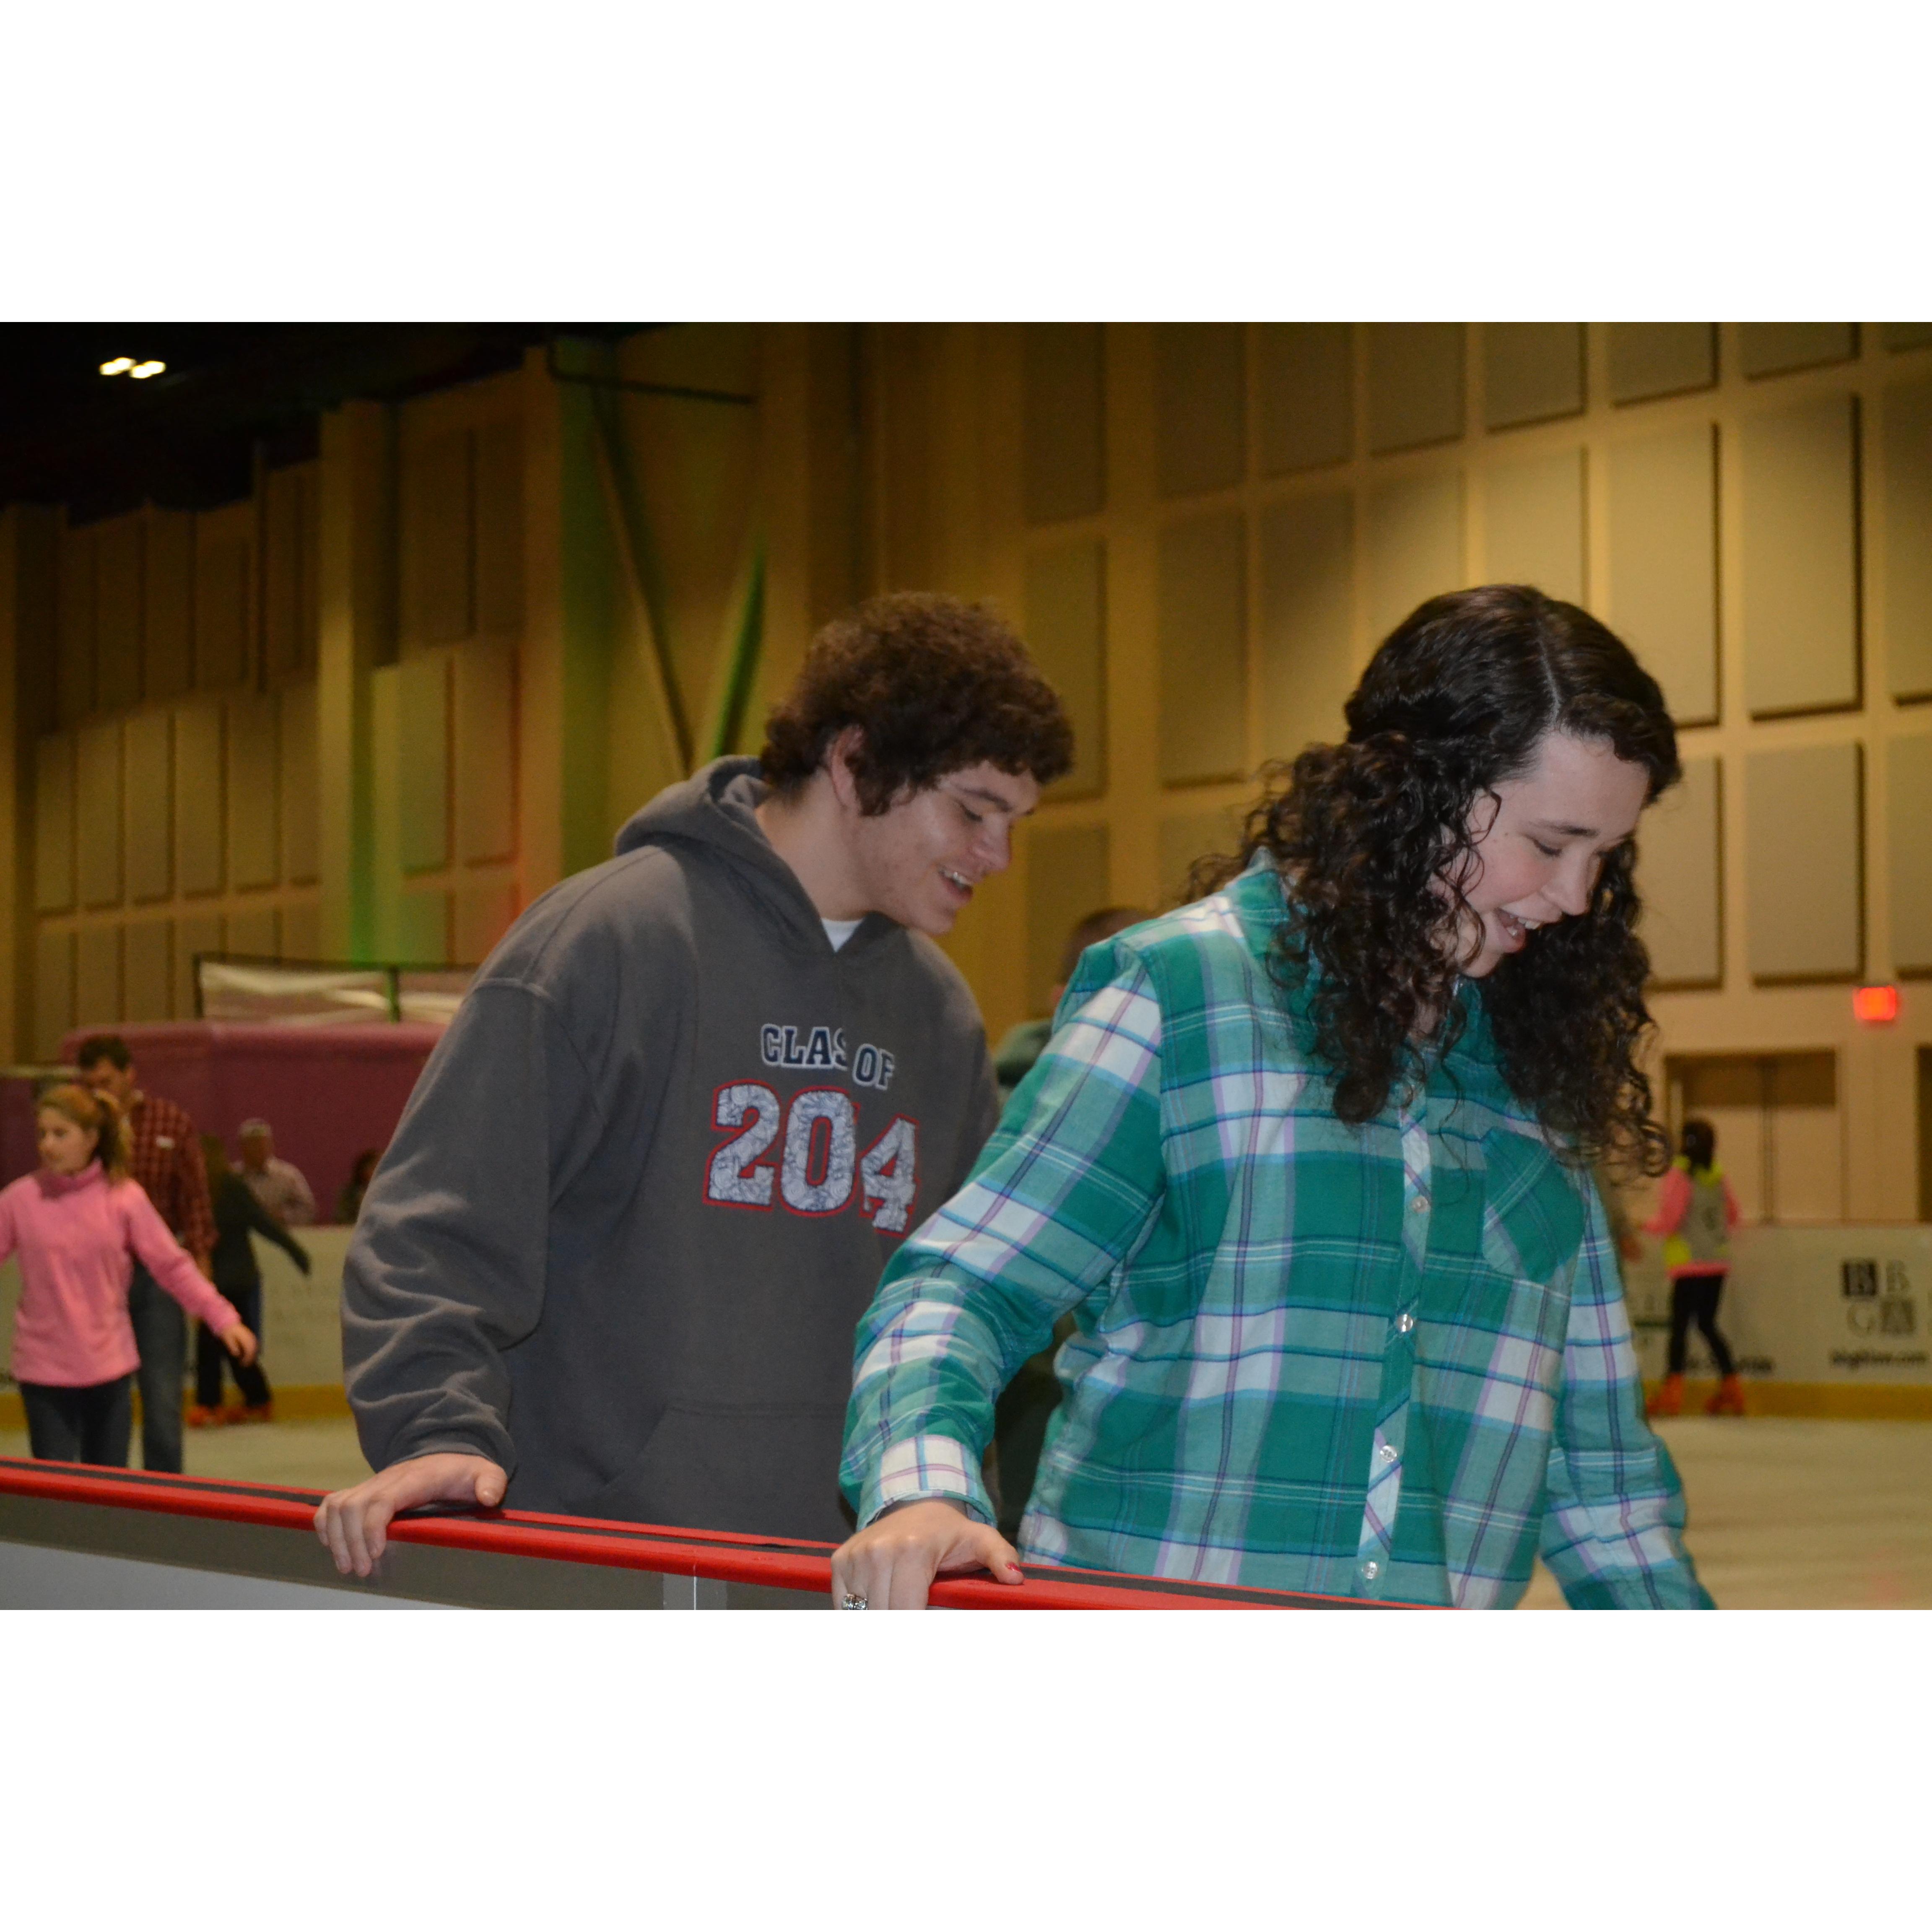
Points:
(1308, 1161)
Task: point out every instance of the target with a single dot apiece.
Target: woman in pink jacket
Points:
(75, 1223)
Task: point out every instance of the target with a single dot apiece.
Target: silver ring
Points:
(852, 1603)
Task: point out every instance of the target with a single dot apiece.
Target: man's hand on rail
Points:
(892, 1561)
(353, 1522)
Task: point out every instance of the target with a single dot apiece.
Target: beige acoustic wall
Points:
(174, 770)
(395, 693)
(1209, 529)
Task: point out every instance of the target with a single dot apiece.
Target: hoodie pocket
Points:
(762, 1471)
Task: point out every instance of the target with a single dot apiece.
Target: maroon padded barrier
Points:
(329, 1092)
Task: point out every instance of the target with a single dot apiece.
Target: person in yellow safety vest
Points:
(1696, 1212)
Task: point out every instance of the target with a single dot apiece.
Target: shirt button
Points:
(1371, 1570)
(1387, 1452)
(1404, 1322)
(1419, 1205)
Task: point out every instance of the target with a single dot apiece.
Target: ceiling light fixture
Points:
(118, 367)
(141, 370)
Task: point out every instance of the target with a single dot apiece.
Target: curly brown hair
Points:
(933, 685)
(1373, 836)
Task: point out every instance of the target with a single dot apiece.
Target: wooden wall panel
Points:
(198, 817)
(74, 673)
(53, 823)
(119, 569)
(53, 990)
(199, 932)
(147, 969)
(97, 813)
(1908, 826)
(481, 913)
(1776, 348)
(254, 835)
(1663, 596)
(1902, 335)
(1201, 638)
(254, 931)
(1680, 877)
(1804, 863)
(438, 539)
(1533, 524)
(1200, 406)
(1532, 372)
(500, 528)
(1415, 384)
(1306, 628)
(1066, 634)
(908, 408)
(1305, 376)
(1801, 593)
(148, 741)
(485, 733)
(97, 977)
(287, 573)
(422, 927)
(1907, 428)
(1067, 877)
(302, 806)
(167, 640)
(1649, 359)
(1065, 460)
(1187, 837)
(1415, 546)
(422, 752)
(118, 595)
(223, 626)
(302, 930)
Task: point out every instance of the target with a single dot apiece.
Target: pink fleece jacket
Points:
(76, 1235)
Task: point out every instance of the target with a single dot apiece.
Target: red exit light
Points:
(1876, 1005)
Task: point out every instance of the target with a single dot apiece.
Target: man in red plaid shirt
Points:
(164, 1156)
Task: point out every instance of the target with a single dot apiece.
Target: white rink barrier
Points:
(1835, 1319)
(302, 1323)
(1824, 1320)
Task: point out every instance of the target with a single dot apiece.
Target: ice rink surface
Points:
(1785, 1514)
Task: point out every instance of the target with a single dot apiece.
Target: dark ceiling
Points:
(187, 438)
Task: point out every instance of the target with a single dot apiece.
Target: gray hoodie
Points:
(647, 1182)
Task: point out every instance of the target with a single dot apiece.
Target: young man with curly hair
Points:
(611, 1263)
(1308, 1161)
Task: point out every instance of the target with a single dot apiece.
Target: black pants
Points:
(1693, 1297)
(80, 1425)
(161, 1334)
(210, 1355)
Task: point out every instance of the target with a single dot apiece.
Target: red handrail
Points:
(716, 1556)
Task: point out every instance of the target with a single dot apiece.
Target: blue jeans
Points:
(161, 1334)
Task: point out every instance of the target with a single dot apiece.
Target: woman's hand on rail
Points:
(239, 1340)
(353, 1523)
(892, 1561)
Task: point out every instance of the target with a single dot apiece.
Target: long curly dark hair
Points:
(1373, 836)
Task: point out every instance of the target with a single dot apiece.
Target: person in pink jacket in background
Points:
(1696, 1212)
(76, 1223)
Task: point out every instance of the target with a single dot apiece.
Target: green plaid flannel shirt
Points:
(1390, 1362)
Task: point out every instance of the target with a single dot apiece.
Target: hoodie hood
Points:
(716, 809)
